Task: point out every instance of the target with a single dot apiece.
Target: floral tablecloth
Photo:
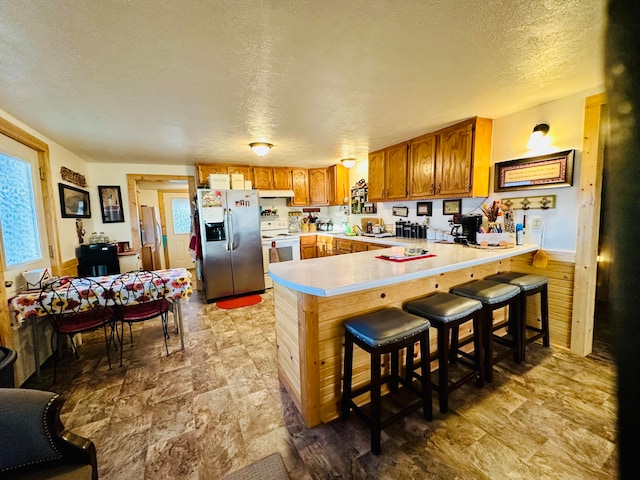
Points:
(177, 283)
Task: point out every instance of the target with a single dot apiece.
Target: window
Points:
(181, 215)
(18, 214)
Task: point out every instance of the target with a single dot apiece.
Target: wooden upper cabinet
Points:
(338, 183)
(318, 191)
(395, 172)
(282, 178)
(376, 176)
(422, 164)
(246, 171)
(263, 178)
(463, 159)
(300, 180)
(203, 171)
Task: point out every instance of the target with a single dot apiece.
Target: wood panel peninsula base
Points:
(313, 298)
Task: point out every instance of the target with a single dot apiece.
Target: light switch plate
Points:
(536, 223)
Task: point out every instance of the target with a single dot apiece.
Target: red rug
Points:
(239, 302)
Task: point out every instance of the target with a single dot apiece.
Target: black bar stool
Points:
(529, 285)
(386, 331)
(446, 312)
(495, 295)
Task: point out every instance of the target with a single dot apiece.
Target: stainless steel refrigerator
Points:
(231, 256)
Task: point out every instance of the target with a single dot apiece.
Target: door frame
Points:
(53, 244)
(134, 204)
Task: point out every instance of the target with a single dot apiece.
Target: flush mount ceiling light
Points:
(539, 137)
(348, 162)
(260, 148)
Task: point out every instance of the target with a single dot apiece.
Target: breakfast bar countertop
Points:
(339, 274)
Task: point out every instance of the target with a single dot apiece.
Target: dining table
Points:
(27, 305)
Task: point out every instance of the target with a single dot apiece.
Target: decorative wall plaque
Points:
(73, 177)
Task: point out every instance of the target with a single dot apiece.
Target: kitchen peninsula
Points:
(314, 297)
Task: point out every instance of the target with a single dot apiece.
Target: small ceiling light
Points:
(348, 162)
(260, 148)
(537, 138)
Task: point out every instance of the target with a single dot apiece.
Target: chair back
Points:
(140, 287)
(75, 304)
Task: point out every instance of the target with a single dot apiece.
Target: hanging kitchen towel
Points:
(273, 253)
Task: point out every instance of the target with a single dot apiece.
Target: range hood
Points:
(275, 193)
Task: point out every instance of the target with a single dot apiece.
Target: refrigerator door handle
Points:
(230, 231)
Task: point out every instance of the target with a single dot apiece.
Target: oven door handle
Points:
(229, 228)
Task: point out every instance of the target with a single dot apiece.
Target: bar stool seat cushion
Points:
(444, 307)
(386, 326)
(487, 291)
(525, 281)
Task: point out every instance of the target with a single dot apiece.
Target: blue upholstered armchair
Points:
(35, 444)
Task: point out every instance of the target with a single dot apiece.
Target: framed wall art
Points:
(74, 203)
(424, 209)
(111, 203)
(452, 207)
(400, 211)
(544, 171)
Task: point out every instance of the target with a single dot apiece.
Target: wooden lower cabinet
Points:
(308, 246)
(357, 246)
(376, 246)
(343, 246)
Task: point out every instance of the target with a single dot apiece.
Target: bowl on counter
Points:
(413, 250)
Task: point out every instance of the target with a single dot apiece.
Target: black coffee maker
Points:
(471, 223)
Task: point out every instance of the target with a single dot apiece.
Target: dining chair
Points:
(76, 305)
(138, 296)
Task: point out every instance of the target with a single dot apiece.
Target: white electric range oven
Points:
(276, 233)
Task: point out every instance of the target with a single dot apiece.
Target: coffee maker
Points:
(471, 223)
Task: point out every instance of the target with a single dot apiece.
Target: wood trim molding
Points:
(134, 204)
(589, 205)
(19, 135)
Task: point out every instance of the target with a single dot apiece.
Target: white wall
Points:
(116, 174)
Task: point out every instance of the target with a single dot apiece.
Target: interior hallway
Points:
(218, 406)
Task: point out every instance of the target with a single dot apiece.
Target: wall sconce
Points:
(538, 137)
(348, 162)
(260, 148)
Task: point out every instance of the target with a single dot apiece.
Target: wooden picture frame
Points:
(452, 207)
(111, 203)
(544, 171)
(424, 209)
(74, 203)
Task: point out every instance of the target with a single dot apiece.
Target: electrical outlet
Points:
(536, 223)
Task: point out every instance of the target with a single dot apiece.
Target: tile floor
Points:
(218, 406)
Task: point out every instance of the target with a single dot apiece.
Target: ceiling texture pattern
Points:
(180, 82)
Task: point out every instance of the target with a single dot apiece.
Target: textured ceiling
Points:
(181, 82)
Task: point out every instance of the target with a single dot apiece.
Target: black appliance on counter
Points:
(471, 223)
(97, 259)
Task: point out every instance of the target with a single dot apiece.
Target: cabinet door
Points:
(454, 160)
(308, 251)
(263, 178)
(203, 170)
(282, 178)
(376, 176)
(318, 186)
(338, 182)
(358, 246)
(300, 180)
(343, 246)
(422, 162)
(246, 171)
(395, 172)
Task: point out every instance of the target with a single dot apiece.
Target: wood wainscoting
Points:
(310, 333)
(70, 268)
